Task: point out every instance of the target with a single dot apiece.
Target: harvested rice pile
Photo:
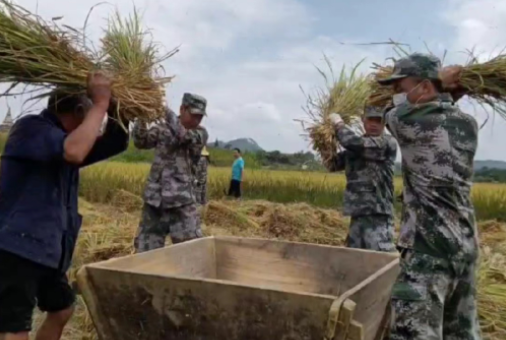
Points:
(47, 55)
(347, 96)
(109, 231)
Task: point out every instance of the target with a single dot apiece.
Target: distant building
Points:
(7, 123)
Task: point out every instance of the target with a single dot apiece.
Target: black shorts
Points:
(235, 188)
(23, 286)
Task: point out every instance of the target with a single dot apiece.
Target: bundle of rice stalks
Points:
(48, 55)
(484, 82)
(347, 96)
(380, 96)
(136, 62)
(36, 52)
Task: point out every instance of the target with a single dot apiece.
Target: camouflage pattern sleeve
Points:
(338, 163)
(391, 149)
(144, 137)
(178, 134)
(391, 121)
(369, 147)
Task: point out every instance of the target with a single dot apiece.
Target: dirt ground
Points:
(108, 232)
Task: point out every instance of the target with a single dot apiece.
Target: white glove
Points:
(335, 119)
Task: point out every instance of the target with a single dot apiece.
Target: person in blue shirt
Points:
(237, 174)
(39, 221)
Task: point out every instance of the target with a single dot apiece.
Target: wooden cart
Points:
(219, 288)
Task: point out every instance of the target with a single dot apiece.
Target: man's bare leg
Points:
(53, 325)
(14, 336)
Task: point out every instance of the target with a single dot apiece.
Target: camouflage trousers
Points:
(434, 299)
(372, 232)
(181, 224)
(201, 193)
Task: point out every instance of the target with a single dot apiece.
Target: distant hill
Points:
(243, 144)
(478, 165)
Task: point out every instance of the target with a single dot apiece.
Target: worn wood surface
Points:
(195, 258)
(372, 297)
(295, 266)
(234, 288)
(142, 307)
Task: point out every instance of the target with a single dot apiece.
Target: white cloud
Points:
(480, 24)
(249, 59)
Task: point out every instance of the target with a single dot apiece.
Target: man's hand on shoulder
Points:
(79, 142)
(450, 78)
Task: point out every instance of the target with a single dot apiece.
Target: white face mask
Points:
(400, 98)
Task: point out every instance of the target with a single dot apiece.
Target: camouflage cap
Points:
(196, 103)
(373, 112)
(418, 65)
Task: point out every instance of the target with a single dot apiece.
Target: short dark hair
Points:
(60, 102)
(237, 149)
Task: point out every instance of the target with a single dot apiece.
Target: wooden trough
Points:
(219, 288)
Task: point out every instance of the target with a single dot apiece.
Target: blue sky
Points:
(249, 58)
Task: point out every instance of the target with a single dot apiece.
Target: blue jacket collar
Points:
(51, 117)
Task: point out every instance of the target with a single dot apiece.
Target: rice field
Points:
(110, 203)
(100, 182)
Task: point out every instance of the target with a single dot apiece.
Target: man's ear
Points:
(80, 111)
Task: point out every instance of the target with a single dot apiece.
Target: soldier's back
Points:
(369, 180)
(438, 143)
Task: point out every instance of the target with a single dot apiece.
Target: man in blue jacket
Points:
(39, 222)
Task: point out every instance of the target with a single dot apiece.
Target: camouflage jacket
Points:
(200, 171)
(438, 143)
(369, 167)
(170, 181)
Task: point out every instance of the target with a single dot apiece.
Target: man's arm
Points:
(79, 142)
(112, 142)
(38, 139)
(196, 146)
(369, 147)
(241, 168)
(176, 134)
(338, 163)
(391, 121)
(391, 149)
(145, 138)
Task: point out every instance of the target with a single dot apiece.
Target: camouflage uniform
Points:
(369, 166)
(434, 296)
(201, 180)
(169, 201)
